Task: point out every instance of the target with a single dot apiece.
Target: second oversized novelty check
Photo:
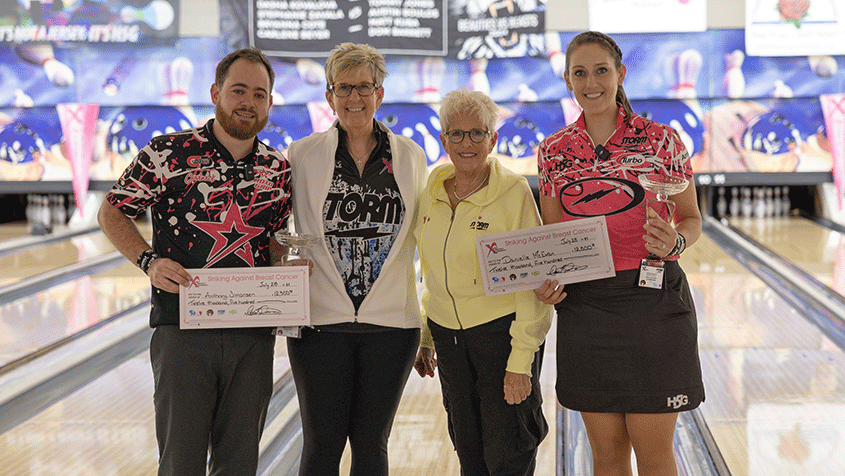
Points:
(570, 252)
(245, 297)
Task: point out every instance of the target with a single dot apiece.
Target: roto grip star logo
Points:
(793, 11)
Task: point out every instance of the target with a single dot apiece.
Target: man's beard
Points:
(229, 124)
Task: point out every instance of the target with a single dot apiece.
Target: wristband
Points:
(680, 245)
(145, 259)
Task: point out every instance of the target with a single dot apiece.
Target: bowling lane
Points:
(33, 261)
(815, 249)
(13, 231)
(775, 384)
(38, 320)
(104, 428)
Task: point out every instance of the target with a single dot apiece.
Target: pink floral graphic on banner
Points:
(833, 106)
(79, 123)
(793, 11)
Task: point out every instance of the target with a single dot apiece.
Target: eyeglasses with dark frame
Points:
(344, 90)
(456, 136)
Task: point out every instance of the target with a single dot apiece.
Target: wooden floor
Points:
(775, 385)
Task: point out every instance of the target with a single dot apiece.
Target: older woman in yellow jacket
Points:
(489, 348)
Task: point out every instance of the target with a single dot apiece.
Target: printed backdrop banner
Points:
(464, 29)
(115, 21)
(496, 29)
(794, 27)
(299, 28)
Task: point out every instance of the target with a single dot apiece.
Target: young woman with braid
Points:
(627, 355)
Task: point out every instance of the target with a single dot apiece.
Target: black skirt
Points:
(622, 348)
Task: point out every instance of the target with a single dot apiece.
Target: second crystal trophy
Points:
(663, 186)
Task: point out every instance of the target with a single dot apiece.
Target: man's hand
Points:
(168, 275)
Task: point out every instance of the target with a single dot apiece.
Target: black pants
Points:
(349, 385)
(491, 437)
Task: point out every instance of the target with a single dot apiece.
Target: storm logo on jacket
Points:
(596, 196)
(364, 208)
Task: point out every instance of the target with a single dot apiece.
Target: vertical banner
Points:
(79, 124)
(833, 106)
(794, 27)
(647, 16)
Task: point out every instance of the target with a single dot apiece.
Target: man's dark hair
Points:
(252, 55)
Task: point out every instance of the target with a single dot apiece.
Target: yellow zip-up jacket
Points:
(453, 296)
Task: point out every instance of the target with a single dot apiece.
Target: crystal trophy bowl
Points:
(296, 243)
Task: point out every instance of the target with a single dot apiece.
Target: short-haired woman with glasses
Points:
(356, 187)
(488, 348)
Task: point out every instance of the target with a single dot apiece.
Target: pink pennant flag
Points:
(79, 123)
(833, 106)
(322, 115)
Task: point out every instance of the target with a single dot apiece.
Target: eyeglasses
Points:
(456, 136)
(344, 90)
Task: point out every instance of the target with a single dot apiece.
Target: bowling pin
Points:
(176, 79)
(431, 143)
(554, 52)
(526, 94)
(22, 99)
(113, 82)
(721, 203)
(785, 204)
(759, 203)
(747, 204)
(684, 68)
(310, 71)
(478, 75)
(781, 90)
(733, 84)
(30, 209)
(61, 210)
(823, 66)
(42, 54)
(428, 72)
(770, 206)
(734, 206)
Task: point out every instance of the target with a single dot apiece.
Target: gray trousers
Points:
(212, 389)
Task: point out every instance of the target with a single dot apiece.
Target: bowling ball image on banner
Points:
(787, 139)
(679, 116)
(285, 125)
(131, 128)
(519, 137)
(28, 143)
(418, 122)
(774, 142)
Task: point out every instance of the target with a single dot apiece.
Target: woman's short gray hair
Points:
(463, 101)
(348, 56)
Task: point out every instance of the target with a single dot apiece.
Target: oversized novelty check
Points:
(570, 252)
(245, 297)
